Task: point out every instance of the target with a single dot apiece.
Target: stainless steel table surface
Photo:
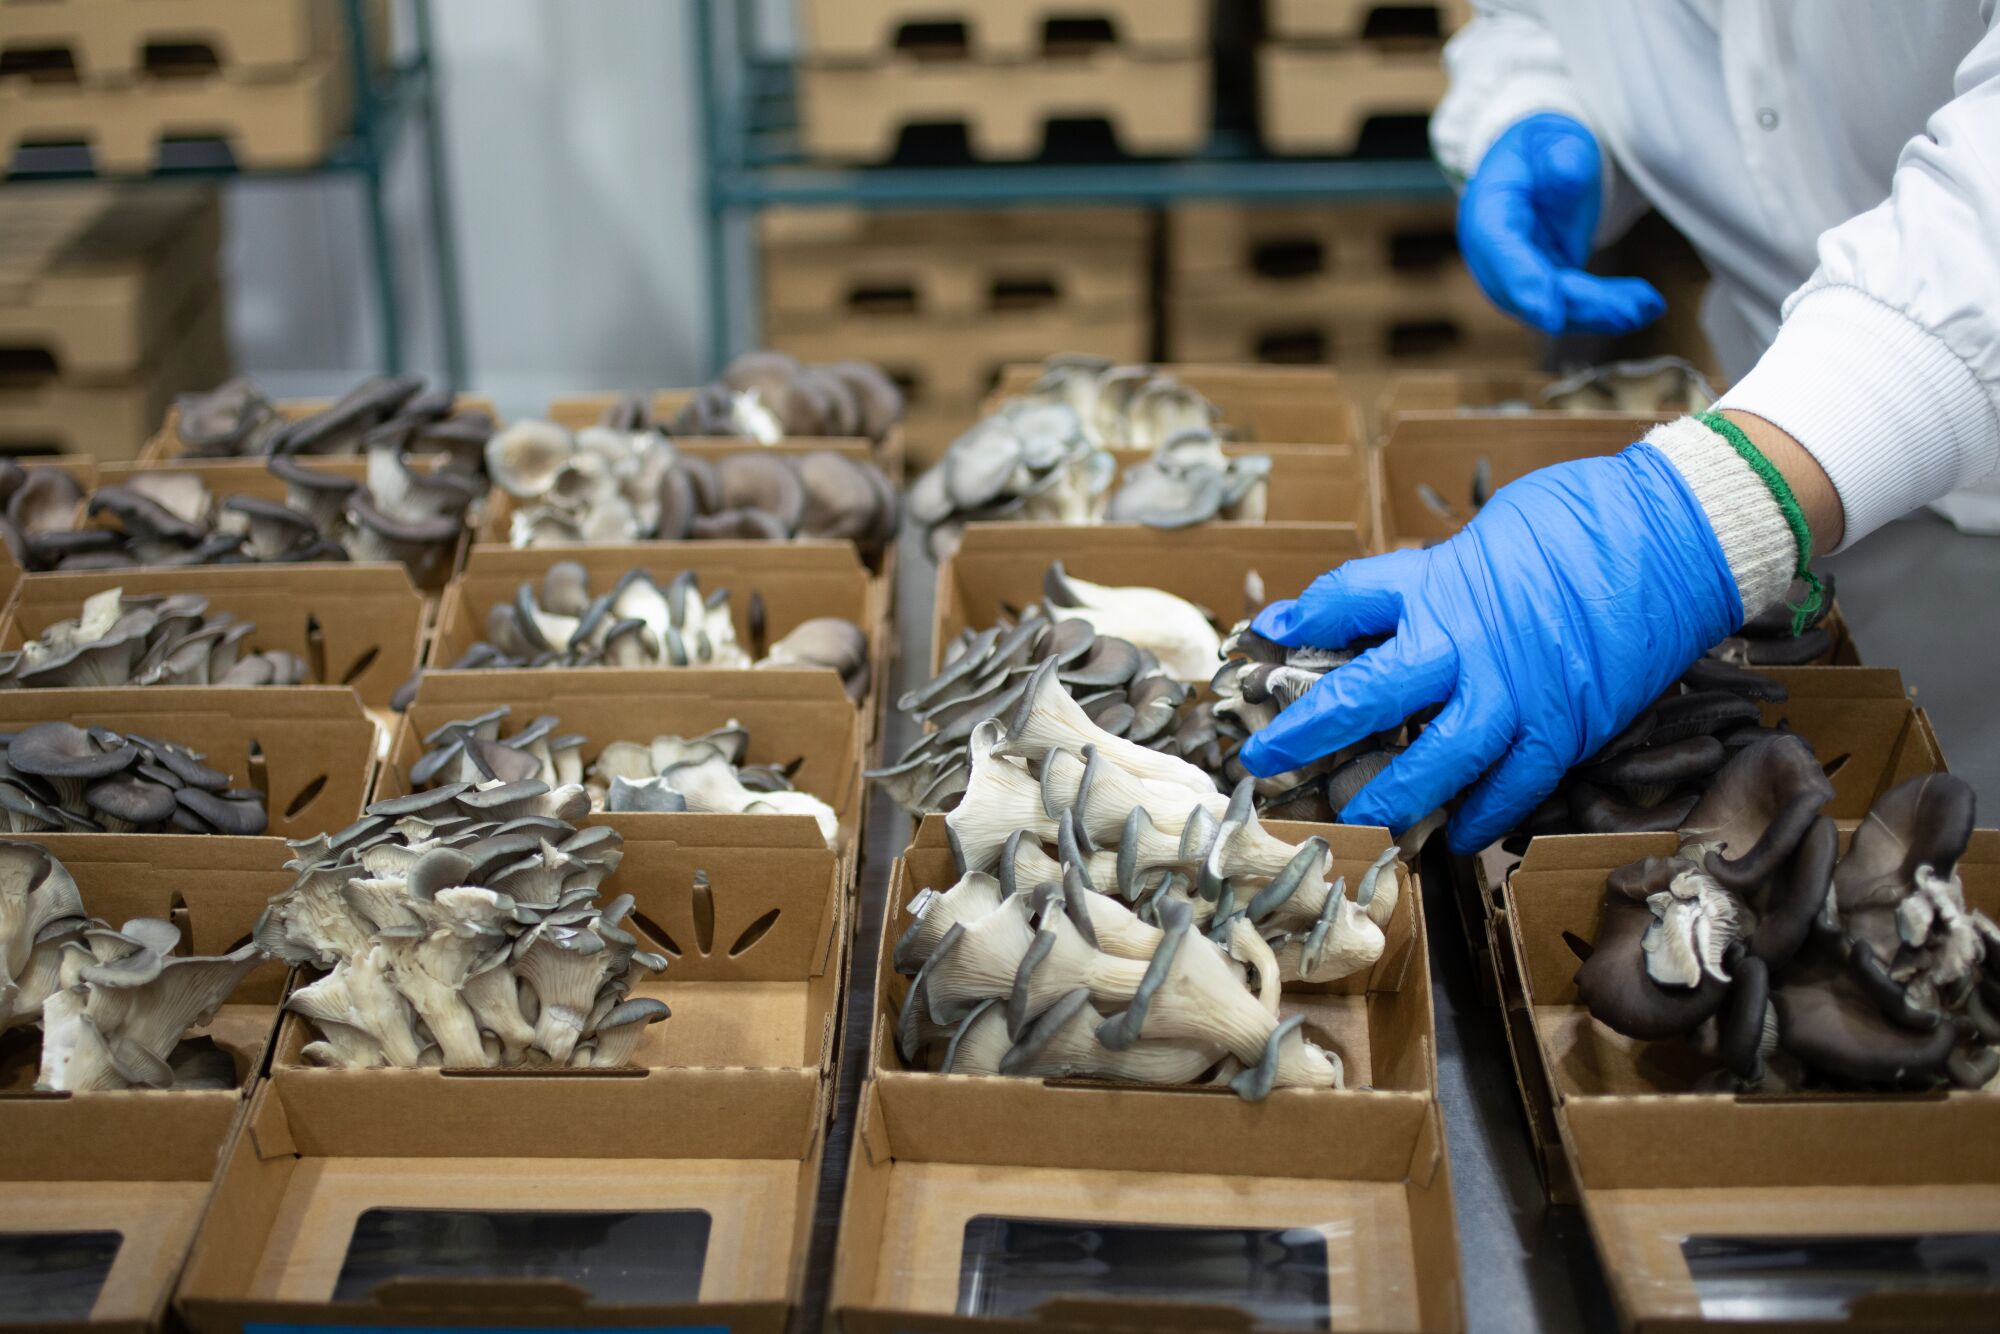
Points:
(1917, 595)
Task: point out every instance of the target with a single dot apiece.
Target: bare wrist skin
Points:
(1808, 480)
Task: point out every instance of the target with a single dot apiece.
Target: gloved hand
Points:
(1525, 224)
(1574, 599)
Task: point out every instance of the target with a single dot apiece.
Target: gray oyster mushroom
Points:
(40, 911)
(125, 1002)
(1043, 456)
(460, 926)
(705, 773)
(412, 516)
(238, 420)
(607, 484)
(639, 623)
(1142, 982)
(118, 639)
(60, 778)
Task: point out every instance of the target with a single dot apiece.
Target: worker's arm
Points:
(1887, 368)
(1540, 191)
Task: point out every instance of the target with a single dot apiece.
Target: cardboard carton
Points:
(166, 446)
(935, 1152)
(1314, 100)
(357, 625)
(137, 1164)
(1362, 20)
(999, 565)
(840, 31)
(1295, 404)
(573, 412)
(1153, 106)
(796, 581)
(309, 749)
(755, 960)
(250, 477)
(802, 716)
(1656, 1164)
(730, 1157)
(1218, 249)
(112, 43)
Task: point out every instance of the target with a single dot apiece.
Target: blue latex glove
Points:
(1575, 598)
(1525, 224)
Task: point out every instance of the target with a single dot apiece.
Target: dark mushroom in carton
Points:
(459, 926)
(1151, 946)
(1792, 969)
(637, 623)
(773, 396)
(113, 1006)
(238, 420)
(60, 778)
(707, 773)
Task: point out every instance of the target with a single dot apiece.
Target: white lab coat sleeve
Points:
(1887, 367)
(1504, 66)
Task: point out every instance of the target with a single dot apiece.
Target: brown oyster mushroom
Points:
(840, 499)
(1798, 898)
(1756, 812)
(1826, 1020)
(44, 502)
(1595, 811)
(234, 418)
(764, 482)
(879, 400)
(320, 496)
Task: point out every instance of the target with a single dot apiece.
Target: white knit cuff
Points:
(1894, 416)
(1756, 540)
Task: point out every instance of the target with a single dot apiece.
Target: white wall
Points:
(573, 150)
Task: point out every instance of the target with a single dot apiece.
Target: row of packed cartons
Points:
(879, 77)
(681, 1187)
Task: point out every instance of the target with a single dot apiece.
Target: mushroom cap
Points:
(764, 482)
(524, 459)
(840, 499)
(1615, 987)
(131, 798)
(226, 815)
(44, 502)
(1926, 821)
(64, 750)
(288, 469)
(142, 517)
(427, 531)
(1757, 809)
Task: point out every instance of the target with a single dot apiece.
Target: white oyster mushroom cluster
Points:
(601, 485)
(120, 639)
(706, 773)
(1042, 456)
(1171, 907)
(1171, 628)
(459, 926)
(113, 1006)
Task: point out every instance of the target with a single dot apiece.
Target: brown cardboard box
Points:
(355, 625)
(806, 286)
(887, 228)
(1003, 564)
(755, 961)
(740, 1146)
(1460, 390)
(1153, 106)
(797, 582)
(1768, 1165)
(1396, 319)
(268, 123)
(309, 749)
(250, 477)
(935, 1151)
(1355, 20)
(790, 716)
(139, 1163)
(1316, 100)
(1294, 404)
(116, 41)
(837, 31)
(164, 443)
(1224, 248)
(115, 420)
(93, 279)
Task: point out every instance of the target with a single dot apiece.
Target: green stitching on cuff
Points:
(1788, 505)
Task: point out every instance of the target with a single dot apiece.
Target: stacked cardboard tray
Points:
(110, 304)
(1002, 73)
(1334, 72)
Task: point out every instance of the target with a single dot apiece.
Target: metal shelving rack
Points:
(754, 162)
(387, 102)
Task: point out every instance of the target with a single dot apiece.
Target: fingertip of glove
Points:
(1256, 756)
(1279, 622)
